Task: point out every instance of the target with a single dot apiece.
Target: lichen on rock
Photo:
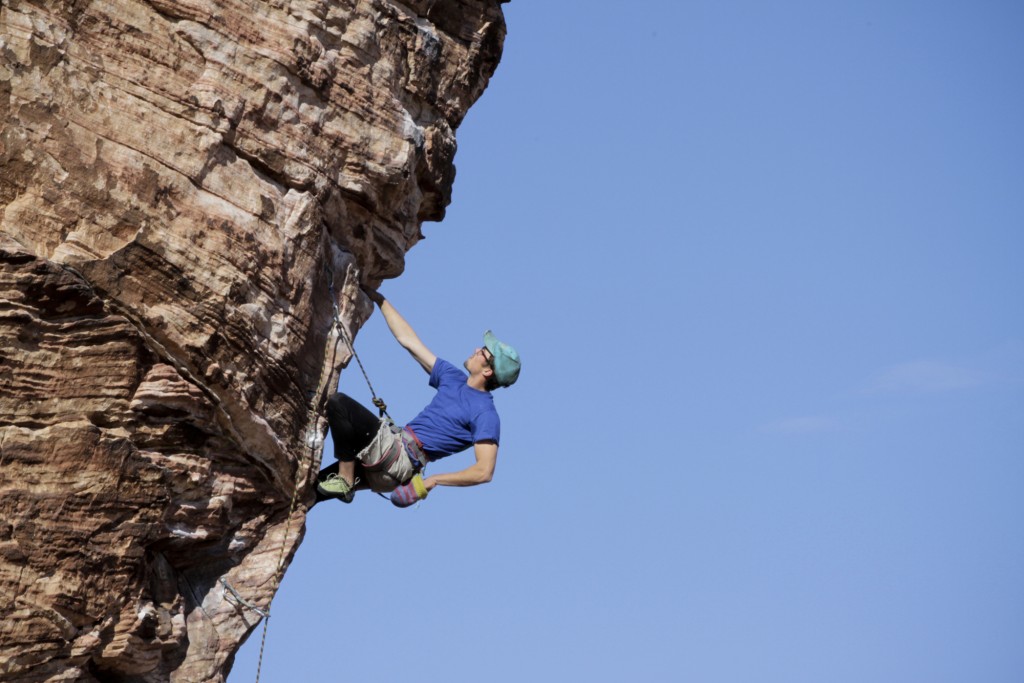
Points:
(188, 189)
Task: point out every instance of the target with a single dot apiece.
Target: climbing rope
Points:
(379, 402)
(314, 411)
(279, 573)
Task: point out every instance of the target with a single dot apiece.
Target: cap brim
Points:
(490, 341)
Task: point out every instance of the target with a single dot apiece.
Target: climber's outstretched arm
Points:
(479, 472)
(403, 332)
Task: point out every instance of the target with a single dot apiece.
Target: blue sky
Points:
(763, 264)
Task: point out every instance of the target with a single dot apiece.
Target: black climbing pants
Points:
(353, 426)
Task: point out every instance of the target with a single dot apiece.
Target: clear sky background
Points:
(763, 263)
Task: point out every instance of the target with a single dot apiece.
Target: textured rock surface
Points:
(180, 185)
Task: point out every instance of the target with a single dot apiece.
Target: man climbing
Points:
(374, 453)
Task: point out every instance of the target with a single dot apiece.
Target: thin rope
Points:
(314, 412)
(379, 402)
(336, 325)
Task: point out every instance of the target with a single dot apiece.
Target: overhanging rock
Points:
(187, 189)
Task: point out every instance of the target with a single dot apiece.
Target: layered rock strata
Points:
(189, 190)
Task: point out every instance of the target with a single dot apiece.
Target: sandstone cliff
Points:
(181, 184)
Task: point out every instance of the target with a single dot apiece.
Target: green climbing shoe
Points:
(336, 487)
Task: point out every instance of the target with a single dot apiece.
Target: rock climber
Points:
(376, 454)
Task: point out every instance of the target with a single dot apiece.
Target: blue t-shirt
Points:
(457, 417)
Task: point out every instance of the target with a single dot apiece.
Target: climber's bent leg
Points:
(352, 428)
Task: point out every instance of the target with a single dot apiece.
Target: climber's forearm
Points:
(403, 332)
(480, 472)
(471, 476)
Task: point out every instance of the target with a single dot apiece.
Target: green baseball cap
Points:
(504, 360)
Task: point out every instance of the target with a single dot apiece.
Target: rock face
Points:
(187, 189)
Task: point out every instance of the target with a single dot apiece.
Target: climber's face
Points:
(478, 362)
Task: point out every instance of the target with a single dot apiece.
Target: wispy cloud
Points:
(924, 376)
(809, 424)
